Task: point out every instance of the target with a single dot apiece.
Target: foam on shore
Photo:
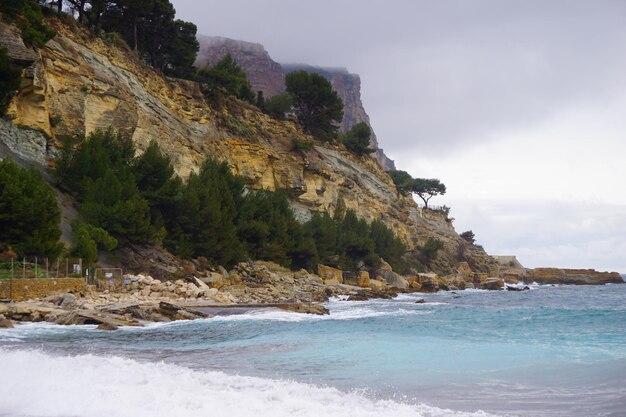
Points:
(43, 385)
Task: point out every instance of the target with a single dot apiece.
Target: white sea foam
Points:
(42, 385)
(354, 312)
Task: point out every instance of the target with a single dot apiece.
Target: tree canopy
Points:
(315, 104)
(425, 188)
(226, 76)
(357, 139)
(27, 15)
(468, 236)
(10, 75)
(29, 214)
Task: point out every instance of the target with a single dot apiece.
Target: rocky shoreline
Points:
(135, 300)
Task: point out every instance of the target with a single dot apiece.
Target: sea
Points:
(548, 351)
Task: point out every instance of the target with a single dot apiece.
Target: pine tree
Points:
(29, 214)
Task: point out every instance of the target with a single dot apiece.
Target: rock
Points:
(305, 308)
(5, 323)
(392, 279)
(469, 285)
(369, 294)
(174, 312)
(213, 280)
(385, 266)
(493, 284)
(377, 285)
(68, 301)
(420, 301)
(465, 272)
(107, 326)
(429, 282)
(329, 274)
(357, 279)
(91, 317)
(512, 288)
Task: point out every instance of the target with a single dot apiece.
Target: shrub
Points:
(302, 145)
(10, 75)
(357, 139)
(278, 106)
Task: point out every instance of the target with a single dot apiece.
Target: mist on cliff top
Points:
(518, 107)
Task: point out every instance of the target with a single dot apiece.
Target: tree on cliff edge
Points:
(317, 107)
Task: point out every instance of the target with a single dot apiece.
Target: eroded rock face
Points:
(264, 73)
(573, 276)
(84, 84)
(267, 75)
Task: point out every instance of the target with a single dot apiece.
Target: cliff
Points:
(80, 83)
(267, 75)
(573, 276)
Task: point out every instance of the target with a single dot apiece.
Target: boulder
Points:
(92, 317)
(429, 282)
(357, 279)
(213, 280)
(305, 308)
(174, 312)
(68, 301)
(420, 301)
(392, 279)
(368, 294)
(492, 284)
(107, 326)
(377, 285)
(5, 323)
(330, 275)
(511, 288)
(465, 272)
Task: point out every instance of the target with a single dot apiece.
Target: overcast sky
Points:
(519, 107)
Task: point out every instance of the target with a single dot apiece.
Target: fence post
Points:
(36, 276)
(11, 282)
(47, 269)
(24, 268)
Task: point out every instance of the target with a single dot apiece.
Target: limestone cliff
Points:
(82, 83)
(267, 75)
(573, 276)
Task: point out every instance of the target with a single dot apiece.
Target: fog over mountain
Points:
(518, 107)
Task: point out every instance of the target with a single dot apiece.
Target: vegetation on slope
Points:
(140, 200)
(29, 215)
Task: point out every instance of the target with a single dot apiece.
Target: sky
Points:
(519, 107)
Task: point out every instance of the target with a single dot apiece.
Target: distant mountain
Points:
(267, 75)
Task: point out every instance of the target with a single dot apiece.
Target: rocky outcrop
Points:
(84, 83)
(267, 75)
(264, 73)
(573, 276)
(16, 50)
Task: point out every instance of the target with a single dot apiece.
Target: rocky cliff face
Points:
(573, 276)
(268, 76)
(82, 83)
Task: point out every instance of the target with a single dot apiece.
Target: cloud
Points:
(517, 106)
(545, 233)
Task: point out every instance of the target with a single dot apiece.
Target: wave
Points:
(44, 385)
(354, 312)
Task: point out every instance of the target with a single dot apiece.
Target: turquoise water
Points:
(551, 351)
